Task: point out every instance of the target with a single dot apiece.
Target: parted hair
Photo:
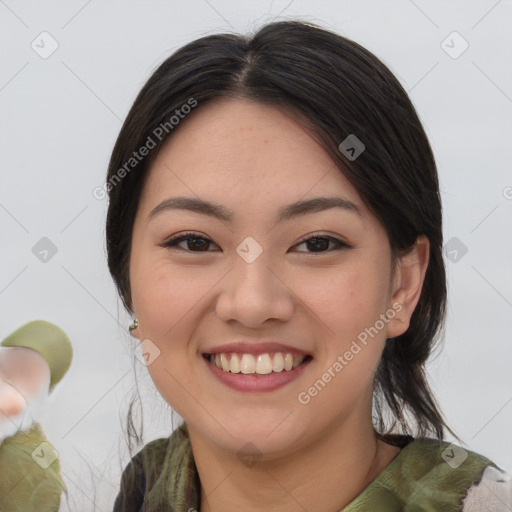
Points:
(336, 88)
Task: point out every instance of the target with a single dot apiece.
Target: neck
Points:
(326, 475)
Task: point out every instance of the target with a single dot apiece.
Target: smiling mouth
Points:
(262, 364)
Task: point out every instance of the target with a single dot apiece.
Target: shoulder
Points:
(143, 471)
(450, 463)
(493, 492)
(460, 475)
(430, 475)
(134, 480)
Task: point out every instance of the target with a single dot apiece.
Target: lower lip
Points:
(248, 383)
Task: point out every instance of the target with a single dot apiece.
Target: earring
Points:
(133, 325)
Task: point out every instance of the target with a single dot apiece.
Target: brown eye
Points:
(320, 244)
(194, 242)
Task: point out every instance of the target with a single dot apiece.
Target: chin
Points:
(251, 437)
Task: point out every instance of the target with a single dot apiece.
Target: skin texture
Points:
(24, 374)
(253, 159)
(12, 402)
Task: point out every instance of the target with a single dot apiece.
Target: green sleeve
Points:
(26, 486)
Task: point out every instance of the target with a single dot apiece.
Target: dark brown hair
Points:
(337, 88)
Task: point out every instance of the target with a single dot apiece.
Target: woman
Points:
(275, 228)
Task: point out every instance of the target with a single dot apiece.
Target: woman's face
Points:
(254, 288)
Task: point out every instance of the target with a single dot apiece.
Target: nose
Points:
(253, 293)
(12, 402)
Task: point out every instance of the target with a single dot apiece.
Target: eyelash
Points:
(190, 235)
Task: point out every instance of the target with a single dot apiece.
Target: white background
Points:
(60, 117)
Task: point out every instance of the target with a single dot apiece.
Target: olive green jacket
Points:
(425, 476)
(30, 478)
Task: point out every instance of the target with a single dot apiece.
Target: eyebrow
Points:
(220, 212)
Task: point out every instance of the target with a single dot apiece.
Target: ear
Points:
(408, 278)
(135, 332)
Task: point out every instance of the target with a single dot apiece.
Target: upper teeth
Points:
(261, 364)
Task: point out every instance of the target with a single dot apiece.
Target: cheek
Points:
(175, 382)
(346, 298)
(168, 297)
(167, 302)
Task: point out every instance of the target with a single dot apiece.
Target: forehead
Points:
(247, 154)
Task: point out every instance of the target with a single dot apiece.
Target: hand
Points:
(12, 402)
(24, 374)
(25, 369)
